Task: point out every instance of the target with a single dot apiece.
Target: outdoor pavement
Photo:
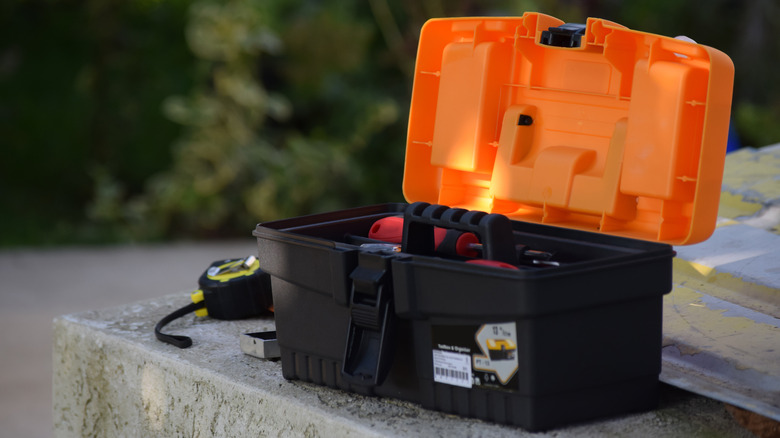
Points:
(37, 285)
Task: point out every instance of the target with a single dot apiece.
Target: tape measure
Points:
(228, 289)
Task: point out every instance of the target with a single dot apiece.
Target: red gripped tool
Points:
(391, 229)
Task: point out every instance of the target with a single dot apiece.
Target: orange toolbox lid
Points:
(595, 127)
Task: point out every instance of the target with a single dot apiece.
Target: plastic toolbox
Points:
(569, 158)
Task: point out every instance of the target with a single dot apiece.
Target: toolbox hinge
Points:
(367, 356)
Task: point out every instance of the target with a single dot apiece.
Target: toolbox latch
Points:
(369, 341)
(565, 35)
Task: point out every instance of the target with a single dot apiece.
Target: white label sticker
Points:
(452, 368)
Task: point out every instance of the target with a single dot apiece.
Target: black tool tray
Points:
(587, 333)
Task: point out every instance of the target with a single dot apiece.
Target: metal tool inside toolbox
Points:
(549, 167)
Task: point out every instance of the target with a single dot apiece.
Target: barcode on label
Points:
(444, 372)
(452, 368)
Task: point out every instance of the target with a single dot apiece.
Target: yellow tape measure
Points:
(229, 289)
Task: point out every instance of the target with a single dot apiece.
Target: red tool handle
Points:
(493, 263)
(391, 229)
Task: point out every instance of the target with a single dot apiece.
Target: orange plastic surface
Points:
(625, 134)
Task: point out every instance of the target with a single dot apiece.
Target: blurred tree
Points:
(243, 156)
(80, 90)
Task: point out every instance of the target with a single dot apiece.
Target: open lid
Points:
(596, 127)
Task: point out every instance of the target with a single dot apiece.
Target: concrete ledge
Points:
(113, 378)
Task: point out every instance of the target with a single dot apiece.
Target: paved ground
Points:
(37, 285)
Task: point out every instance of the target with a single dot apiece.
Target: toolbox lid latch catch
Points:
(565, 35)
(367, 357)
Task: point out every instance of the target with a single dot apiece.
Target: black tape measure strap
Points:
(178, 341)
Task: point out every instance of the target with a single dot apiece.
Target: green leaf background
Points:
(148, 120)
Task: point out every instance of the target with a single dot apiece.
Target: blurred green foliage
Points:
(158, 119)
(80, 89)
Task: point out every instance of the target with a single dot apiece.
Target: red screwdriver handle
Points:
(391, 230)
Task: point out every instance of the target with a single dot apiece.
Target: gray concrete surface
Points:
(37, 285)
(112, 378)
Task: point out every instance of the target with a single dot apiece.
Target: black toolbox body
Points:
(588, 333)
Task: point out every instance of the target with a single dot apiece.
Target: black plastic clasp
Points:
(370, 340)
(566, 35)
